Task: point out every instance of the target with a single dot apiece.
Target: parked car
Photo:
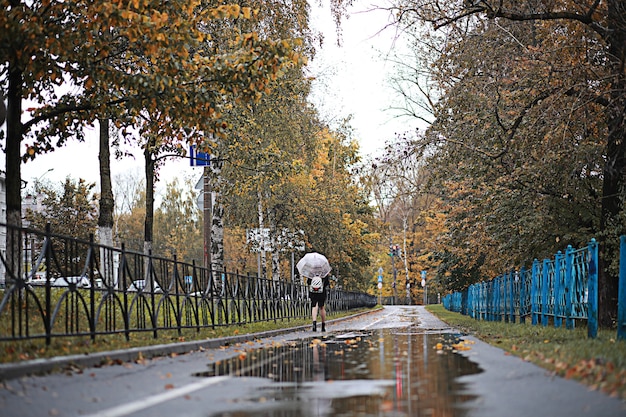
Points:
(37, 281)
(80, 281)
(140, 284)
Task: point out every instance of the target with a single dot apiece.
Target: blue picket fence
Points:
(559, 290)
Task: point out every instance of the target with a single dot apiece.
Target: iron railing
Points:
(62, 286)
(559, 290)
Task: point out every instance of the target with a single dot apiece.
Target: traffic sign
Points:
(197, 158)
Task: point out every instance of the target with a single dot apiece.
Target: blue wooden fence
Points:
(562, 290)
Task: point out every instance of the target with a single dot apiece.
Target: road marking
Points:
(378, 321)
(144, 403)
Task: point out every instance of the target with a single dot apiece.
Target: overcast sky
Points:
(352, 81)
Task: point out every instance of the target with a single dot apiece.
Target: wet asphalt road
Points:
(394, 362)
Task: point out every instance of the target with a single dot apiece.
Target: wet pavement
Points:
(399, 361)
(391, 371)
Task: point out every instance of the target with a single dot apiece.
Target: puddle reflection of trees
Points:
(382, 372)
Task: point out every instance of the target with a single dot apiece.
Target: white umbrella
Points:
(313, 264)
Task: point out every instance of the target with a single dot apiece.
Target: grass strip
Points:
(17, 351)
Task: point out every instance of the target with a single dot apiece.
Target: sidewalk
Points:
(510, 386)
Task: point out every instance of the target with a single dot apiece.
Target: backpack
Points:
(316, 285)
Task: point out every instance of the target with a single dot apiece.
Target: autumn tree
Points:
(130, 211)
(532, 106)
(398, 181)
(261, 127)
(178, 223)
(70, 209)
(160, 64)
(273, 138)
(334, 211)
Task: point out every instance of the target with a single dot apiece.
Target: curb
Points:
(48, 365)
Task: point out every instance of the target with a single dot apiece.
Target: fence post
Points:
(479, 304)
(534, 293)
(621, 297)
(592, 291)
(501, 310)
(512, 276)
(558, 290)
(489, 299)
(544, 292)
(522, 295)
(498, 293)
(505, 297)
(464, 295)
(483, 301)
(569, 265)
(496, 300)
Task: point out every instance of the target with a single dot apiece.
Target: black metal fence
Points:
(56, 286)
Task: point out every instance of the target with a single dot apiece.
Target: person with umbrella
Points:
(315, 268)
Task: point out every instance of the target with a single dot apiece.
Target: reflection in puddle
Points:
(387, 372)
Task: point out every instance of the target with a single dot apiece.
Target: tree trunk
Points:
(275, 245)
(217, 234)
(262, 259)
(615, 166)
(149, 220)
(217, 221)
(13, 172)
(276, 264)
(105, 219)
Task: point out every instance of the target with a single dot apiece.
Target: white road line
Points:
(128, 408)
(378, 321)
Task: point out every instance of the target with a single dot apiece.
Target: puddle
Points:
(395, 372)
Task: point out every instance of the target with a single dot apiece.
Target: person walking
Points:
(315, 268)
(317, 293)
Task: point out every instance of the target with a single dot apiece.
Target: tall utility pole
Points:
(206, 211)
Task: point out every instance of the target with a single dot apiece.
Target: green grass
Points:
(599, 363)
(18, 351)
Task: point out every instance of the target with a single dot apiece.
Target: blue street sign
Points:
(198, 159)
